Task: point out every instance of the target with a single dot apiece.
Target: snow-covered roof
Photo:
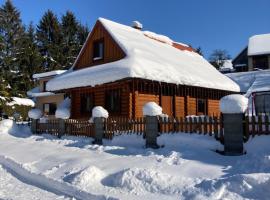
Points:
(254, 81)
(35, 92)
(259, 45)
(146, 58)
(227, 66)
(47, 74)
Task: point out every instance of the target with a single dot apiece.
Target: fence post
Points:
(99, 130)
(233, 108)
(151, 132)
(62, 128)
(233, 133)
(34, 126)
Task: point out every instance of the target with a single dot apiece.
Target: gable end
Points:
(112, 51)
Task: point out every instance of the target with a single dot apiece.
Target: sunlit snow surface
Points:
(186, 168)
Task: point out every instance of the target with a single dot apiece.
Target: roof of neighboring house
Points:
(148, 56)
(227, 66)
(254, 81)
(259, 45)
(47, 74)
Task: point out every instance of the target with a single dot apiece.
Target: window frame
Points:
(199, 111)
(83, 105)
(118, 99)
(51, 111)
(97, 42)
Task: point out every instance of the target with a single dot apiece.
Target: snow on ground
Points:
(186, 168)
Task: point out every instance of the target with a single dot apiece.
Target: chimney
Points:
(137, 25)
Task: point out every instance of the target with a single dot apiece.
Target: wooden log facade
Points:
(126, 97)
(176, 101)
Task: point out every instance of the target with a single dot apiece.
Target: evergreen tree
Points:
(49, 41)
(30, 59)
(82, 34)
(70, 46)
(11, 31)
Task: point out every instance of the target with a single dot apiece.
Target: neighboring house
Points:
(240, 62)
(256, 86)
(254, 57)
(46, 101)
(121, 68)
(227, 67)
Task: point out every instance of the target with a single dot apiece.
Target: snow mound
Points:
(88, 177)
(35, 113)
(161, 38)
(139, 180)
(63, 110)
(6, 125)
(240, 186)
(99, 111)
(152, 109)
(234, 103)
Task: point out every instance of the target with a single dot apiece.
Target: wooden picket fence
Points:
(72, 127)
(115, 126)
(257, 125)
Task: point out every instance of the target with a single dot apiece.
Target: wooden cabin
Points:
(121, 68)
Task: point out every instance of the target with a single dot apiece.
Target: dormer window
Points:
(98, 50)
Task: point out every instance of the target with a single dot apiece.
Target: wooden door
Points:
(167, 105)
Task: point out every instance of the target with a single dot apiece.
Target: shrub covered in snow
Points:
(35, 113)
(152, 109)
(99, 111)
(63, 110)
(234, 103)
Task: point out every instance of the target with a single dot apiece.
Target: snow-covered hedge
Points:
(234, 103)
(151, 109)
(35, 113)
(99, 111)
(63, 110)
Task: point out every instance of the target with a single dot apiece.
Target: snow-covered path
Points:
(12, 188)
(186, 168)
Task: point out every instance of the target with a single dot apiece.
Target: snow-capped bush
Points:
(151, 109)
(99, 111)
(234, 103)
(35, 113)
(63, 110)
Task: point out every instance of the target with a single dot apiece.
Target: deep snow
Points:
(186, 168)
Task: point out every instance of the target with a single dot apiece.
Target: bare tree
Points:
(218, 57)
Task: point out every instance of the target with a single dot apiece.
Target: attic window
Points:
(98, 50)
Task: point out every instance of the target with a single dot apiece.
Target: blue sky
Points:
(211, 24)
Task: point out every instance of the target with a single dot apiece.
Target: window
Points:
(113, 101)
(98, 50)
(260, 62)
(44, 85)
(49, 108)
(87, 103)
(201, 106)
(262, 104)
